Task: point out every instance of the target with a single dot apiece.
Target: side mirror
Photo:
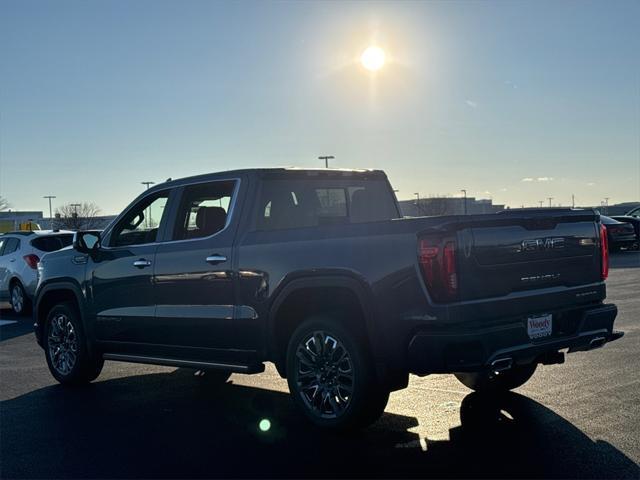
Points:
(86, 242)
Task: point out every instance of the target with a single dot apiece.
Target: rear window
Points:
(312, 202)
(52, 243)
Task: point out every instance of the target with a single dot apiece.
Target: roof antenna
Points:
(168, 179)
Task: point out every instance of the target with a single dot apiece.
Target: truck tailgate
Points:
(527, 250)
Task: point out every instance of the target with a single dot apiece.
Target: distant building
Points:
(11, 220)
(433, 206)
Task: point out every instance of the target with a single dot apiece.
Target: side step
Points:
(174, 362)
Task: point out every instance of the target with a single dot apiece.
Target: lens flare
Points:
(264, 425)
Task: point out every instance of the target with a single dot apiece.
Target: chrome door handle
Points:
(142, 263)
(215, 259)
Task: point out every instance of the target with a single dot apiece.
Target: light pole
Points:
(326, 159)
(465, 200)
(549, 198)
(540, 202)
(50, 211)
(76, 223)
(573, 201)
(606, 205)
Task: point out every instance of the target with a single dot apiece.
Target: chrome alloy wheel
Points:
(63, 344)
(17, 299)
(324, 374)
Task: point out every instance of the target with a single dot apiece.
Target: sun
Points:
(372, 58)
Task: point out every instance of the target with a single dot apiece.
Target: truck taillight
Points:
(32, 260)
(437, 260)
(604, 253)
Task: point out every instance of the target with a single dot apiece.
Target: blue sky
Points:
(517, 101)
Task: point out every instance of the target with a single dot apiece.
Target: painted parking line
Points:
(7, 322)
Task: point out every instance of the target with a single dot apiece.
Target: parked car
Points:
(619, 234)
(315, 271)
(635, 221)
(634, 212)
(20, 253)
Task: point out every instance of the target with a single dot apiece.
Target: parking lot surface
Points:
(578, 420)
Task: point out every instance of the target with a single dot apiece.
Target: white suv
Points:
(20, 253)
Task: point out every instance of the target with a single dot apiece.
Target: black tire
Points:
(20, 303)
(506, 380)
(65, 347)
(341, 370)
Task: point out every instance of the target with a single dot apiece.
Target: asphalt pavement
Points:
(577, 420)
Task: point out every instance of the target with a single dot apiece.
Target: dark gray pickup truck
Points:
(316, 271)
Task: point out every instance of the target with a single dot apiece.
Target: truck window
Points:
(203, 209)
(141, 223)
(302, 203)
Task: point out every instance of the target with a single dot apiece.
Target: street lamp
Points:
(50, 211)
(465, 200)
(148, 184)
(326, 159)
(549, 198)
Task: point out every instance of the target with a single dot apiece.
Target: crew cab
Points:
(317, 272)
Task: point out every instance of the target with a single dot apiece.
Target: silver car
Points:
(20, 253)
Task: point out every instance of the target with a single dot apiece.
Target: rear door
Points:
(516, 252)
(121, 275)
(194, 278)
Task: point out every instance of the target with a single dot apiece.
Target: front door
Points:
(120, 275)
(194, 277)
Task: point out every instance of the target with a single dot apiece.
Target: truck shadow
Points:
(175, 425)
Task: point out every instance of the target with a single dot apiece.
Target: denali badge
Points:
(551, 243)
(540, 278)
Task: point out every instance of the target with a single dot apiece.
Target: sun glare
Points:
(372, 58)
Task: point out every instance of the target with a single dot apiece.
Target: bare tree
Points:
(4, 204)
(77, 216)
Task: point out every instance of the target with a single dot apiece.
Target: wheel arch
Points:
(335, 290)
(51, 294)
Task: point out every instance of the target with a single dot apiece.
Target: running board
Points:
(174, 362)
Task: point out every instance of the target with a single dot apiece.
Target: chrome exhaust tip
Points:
(597, 342)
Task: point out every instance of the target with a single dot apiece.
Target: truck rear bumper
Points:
(506, 343)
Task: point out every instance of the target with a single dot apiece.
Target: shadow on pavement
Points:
(177, 425)
(23, 325)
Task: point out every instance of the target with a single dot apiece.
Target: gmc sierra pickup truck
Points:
(317, 272)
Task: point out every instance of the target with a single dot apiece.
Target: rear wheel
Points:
(515, 377)
(331, 377)
(19, 300)
(66, 349)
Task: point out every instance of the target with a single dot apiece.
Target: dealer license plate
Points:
(539, 326)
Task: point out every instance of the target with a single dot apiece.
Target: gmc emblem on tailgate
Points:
(537, 244)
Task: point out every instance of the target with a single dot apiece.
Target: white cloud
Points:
(590, 184)
(527, 179)
(545, 179)
(471, 103)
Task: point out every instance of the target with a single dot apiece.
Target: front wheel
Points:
(515, 377)
(331, 377)
(66, 349)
